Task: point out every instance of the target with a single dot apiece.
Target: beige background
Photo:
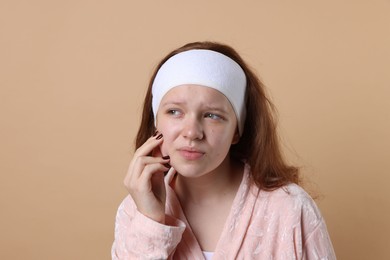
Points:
(73, 75)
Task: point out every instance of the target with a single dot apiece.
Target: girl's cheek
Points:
(163, 148)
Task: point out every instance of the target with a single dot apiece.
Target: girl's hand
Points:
(145, 179)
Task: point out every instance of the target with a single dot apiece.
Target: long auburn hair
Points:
(259, 143)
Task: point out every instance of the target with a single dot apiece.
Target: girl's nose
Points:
(192, 128)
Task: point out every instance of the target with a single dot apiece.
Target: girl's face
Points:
(199, 125)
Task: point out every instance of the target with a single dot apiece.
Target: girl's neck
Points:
(211, 187)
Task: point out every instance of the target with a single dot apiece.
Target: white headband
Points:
(207, 68)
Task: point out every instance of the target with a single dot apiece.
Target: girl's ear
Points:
(236, 137)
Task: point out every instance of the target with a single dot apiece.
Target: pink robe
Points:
(280, 224)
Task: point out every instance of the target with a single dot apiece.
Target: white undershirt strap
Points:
(208, 255)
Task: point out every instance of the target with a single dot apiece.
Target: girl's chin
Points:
(191, 171)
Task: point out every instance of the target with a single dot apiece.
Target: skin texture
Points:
(198, 124)
(196, 127)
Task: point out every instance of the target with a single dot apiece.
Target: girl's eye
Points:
(213, 116)
(174, 112)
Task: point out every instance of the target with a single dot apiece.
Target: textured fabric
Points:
(280, 224)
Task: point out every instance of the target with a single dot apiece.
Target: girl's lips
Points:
(190, 154)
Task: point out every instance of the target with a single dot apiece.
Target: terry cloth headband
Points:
(207, 68)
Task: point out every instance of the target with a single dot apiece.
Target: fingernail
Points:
(155, 133)
(166, 157)
(159, 136)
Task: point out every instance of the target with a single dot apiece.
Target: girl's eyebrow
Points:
(215, 108)
(205, 107)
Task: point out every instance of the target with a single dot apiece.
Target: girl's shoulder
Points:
(290, 192)
(290, 200)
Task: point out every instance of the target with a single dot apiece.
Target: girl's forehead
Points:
(188, 93)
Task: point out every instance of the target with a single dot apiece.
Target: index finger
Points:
(150, 144)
